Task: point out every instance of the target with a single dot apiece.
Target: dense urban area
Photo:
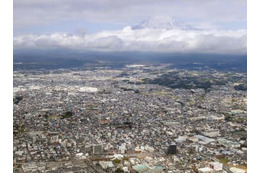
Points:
(141, 118)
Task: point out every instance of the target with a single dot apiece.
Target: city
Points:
(130, 87)
(138, 118)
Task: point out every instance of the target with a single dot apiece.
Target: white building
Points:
(211, 133)
(216, 166)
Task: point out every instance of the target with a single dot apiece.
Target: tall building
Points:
(172, 149)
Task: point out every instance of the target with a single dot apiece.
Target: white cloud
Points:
(127, 39)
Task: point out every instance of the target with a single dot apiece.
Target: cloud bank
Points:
(223, 24)
(143, 39)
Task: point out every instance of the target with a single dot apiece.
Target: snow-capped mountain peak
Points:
(161, 22)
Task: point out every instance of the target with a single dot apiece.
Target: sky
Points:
(214, 26)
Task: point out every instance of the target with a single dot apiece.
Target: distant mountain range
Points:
(64, 58)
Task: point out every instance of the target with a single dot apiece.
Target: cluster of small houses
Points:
(152, 130)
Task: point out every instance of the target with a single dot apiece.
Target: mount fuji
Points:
(163, 22)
